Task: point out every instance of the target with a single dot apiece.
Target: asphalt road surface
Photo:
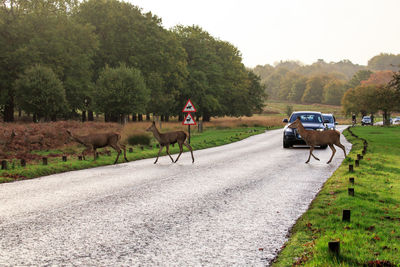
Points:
(233, 206)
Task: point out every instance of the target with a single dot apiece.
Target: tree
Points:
(333, 92)
(43, 32)
(126, 35)
(379, 78)
(384, 61)
(361, 75)
(314, 90)
(121, 91)
(297, 90)
(40, 92)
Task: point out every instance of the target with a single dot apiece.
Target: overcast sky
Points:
(267, 31)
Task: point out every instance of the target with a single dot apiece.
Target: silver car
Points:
(329, 121)
(366, 120)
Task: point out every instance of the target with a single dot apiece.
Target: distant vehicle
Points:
(311, 120)
(330, 121)
(396, 120)
(366, 120)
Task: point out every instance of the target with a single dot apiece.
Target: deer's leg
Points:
(118, 151)
(124, 148)
(311, 154)
(191, 150)
(333, 153)
(180, 151)
(169, 154)
(83, 152)
(342, 147)
(159, 152)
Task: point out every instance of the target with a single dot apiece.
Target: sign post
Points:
(189, 120)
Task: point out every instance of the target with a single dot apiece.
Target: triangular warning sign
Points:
(189, 120)
(189, 107)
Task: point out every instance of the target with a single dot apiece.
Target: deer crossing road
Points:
(233, 206)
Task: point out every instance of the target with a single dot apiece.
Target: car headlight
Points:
(289, 130)
(320, 129)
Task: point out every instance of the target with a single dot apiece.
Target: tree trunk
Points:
(134, 117)
(140, 117)
(9, 107)
(83, 116)
(206, 116)
(53, 117)
(162, 118)
(147, 116)
(167, 118)
(90, 115)
(34, 118)
(180, 117)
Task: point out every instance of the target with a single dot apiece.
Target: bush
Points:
(139, 139)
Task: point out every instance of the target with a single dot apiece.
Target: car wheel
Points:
(286, 144)
(324, 146)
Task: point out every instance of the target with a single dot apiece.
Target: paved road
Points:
(234, 206)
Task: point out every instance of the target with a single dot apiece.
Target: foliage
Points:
(384, 61)
(139, 139)
(121, 91)
(289, 110)
(333, 92)
(40, 92)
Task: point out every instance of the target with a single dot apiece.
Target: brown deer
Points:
(314, 138)
(170, 138)
(94, 141)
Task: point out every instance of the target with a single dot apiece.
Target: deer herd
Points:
(92, 142)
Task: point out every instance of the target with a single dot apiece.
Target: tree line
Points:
(320, 82)
(65, 59)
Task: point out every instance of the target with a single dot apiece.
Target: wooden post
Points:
(44, 160)
(351, 192)
(4, 164)
(189, 133)
(357, 163)
(23, 162)
(351, 168)
(334, 247)
(351, 180)
(358, 156)
(97, 155)
(64, 158)
(346, 215)
(79, 157)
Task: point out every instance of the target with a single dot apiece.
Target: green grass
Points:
(209, 138)
(373, 235)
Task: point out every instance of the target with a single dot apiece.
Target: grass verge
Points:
(372, 237)
(209, 138)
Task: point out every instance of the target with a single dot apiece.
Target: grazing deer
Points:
(94, 141)
(316, 138)
(170, 138)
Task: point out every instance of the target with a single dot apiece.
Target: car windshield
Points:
(307, 117)
(328, 118)
(367, 117)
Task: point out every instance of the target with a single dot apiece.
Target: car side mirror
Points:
(326, 121)
(336, 123)
(285, 120)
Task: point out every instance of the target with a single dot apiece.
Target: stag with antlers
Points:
(170, 138)
(318, 138)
